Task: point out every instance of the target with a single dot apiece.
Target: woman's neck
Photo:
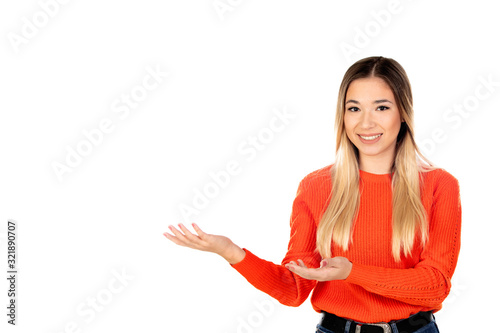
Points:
(376, 166)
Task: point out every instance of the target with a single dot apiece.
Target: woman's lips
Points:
(370, 138)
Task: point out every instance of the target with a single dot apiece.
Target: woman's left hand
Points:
(337, 268)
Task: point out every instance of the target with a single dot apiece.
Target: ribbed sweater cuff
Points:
(360, 275)
(247, 266)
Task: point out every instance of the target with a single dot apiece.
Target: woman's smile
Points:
(369, 138)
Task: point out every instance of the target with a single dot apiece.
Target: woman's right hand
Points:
(220, 245)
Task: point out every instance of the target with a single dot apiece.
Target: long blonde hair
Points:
(408, 213)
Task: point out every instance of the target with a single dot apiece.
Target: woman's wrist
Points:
(234, 254)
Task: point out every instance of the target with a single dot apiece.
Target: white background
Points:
(227, 72)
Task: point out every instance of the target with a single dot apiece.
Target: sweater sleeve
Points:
(429, 282)
(276, 280)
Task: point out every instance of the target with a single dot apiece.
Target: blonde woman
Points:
(376, 235)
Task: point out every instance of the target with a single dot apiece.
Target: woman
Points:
(376, 234)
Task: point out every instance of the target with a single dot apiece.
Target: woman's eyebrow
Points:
(374, 102)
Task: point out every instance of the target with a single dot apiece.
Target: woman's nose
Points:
(367, 119)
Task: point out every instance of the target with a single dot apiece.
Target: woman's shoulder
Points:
(315, 187)
(317, 179)
(439, 177)
(319, 174)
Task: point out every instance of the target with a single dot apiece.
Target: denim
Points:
(429, 328)
(321, 329)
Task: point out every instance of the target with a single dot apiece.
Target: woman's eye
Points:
(353, 109)
(382, 108)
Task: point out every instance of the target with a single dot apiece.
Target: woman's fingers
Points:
(176, 232)
(198, 230)
(301, 263)
(184, 237)
(180, 237)
(192, 238)
(201, 241)
(172, 238)
(337, 268)
(298, 264)
(301, 269)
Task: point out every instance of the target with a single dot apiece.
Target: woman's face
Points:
(372, 121)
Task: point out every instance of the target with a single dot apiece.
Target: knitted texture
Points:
(378, 288)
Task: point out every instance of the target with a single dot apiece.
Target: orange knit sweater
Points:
(378, 288)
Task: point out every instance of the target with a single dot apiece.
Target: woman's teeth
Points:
(370, 137)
